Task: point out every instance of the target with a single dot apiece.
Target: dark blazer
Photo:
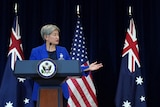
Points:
(40, 53)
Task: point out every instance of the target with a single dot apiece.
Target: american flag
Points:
(78, 50)
(15, 92)
(130, 90)
(81, 90)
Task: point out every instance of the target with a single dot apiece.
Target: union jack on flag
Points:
(82, 91)
(131, 47)
(15, 47)
(15, 92)
(130, 89)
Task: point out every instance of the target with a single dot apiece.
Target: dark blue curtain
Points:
(104, 23)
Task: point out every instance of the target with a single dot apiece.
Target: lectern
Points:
(50, 94)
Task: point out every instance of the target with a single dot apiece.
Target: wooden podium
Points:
(50, 97)
(50, 92)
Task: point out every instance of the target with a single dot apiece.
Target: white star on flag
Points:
(21, 79)
(130, 73)
(126, 104)
(81, 90)
(14, 90)
(142, 98)
(139, 80)
(9, 104)
(26, 101)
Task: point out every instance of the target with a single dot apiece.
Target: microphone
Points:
(50, 47)
(49, 50)
(50, 44)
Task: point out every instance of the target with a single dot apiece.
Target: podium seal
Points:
(47, 68)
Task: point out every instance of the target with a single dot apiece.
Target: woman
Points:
(50, 49)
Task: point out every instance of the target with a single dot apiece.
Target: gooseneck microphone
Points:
(50, 44)
(49, 50)
(52, 53)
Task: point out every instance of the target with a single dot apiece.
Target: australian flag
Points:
(14, 91)
(130, 90)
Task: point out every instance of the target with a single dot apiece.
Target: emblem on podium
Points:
(47, 68)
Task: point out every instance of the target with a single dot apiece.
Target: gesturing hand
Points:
(94, 66)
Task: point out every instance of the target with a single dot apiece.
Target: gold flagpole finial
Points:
(15, 7)
(78, 13)
(130, 10)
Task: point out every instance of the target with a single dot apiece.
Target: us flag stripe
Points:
(82, 91)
